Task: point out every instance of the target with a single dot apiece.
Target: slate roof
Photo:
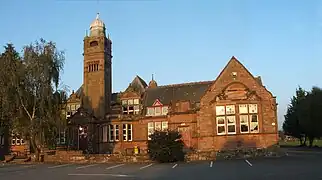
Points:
(176, 92)
(169, 93)
(79, 91)
(138, 85)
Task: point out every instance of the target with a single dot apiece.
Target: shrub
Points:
(166, 146)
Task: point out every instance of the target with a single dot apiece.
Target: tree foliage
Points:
(30, 98)
(303, 119)
(166, 146)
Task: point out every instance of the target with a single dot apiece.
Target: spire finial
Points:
(98, 15)
(152, 77)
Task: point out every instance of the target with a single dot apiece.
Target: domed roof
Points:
(97, 23)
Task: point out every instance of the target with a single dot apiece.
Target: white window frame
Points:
(150, 111)
(136, 101)
(15, 139)
(127, 128)
(111, 133)
(60, 136)
(231, 124)
(221, 125)
(124, 132)
(164, 126)
(136, 111)
(130, 128)
(233, 109)
(251, 124)
(251, 106)
(124, 102)
(244, 123)
(220, 110)
(150, 129)
(159, 112)
(116, 132)
(158, 126)
(165, 110)
(242, 109)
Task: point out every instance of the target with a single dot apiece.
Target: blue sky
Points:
(181, 40)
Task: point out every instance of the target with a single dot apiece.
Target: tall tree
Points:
(291, 125)
(42, 66)
(310, 114)
(9, 76)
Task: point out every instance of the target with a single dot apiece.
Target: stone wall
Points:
(79, 157)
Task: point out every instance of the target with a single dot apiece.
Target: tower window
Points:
(92, 67)
(93, 43)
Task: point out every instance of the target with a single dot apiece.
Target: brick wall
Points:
(206, 117)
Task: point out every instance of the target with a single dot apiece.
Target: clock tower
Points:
(97, 69)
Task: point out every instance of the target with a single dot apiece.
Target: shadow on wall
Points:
(87, 127)
(238, 143)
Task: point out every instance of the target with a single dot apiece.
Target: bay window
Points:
(131, 106)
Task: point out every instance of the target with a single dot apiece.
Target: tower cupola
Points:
(97, 27)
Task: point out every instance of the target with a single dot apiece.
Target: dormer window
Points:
(131, 106)
(157, 109)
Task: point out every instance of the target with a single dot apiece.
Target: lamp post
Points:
(78, 134)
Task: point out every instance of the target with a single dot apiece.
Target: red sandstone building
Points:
(234, 110)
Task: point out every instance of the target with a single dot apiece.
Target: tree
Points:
(291, 125)
(38, 81)
(310, 114)
(166, 146)
(9, 76)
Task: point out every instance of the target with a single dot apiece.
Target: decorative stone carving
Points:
(235, 92)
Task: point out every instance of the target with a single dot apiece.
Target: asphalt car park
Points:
(297, 165)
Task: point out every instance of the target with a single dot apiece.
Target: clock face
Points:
(220, 110)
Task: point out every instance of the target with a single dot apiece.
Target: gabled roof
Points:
(176, 92)
(137, 85)
(81, 116)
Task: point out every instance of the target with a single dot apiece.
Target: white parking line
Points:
(91, 165)
(146, 166)
(58, 166)
(115, 166)
(174, 165)
(211, 163)
(250, 164)
(27, 166)
(115, 175)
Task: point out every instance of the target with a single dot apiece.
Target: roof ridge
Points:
(187, 83)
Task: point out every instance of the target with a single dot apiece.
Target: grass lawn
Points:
(297, 143)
